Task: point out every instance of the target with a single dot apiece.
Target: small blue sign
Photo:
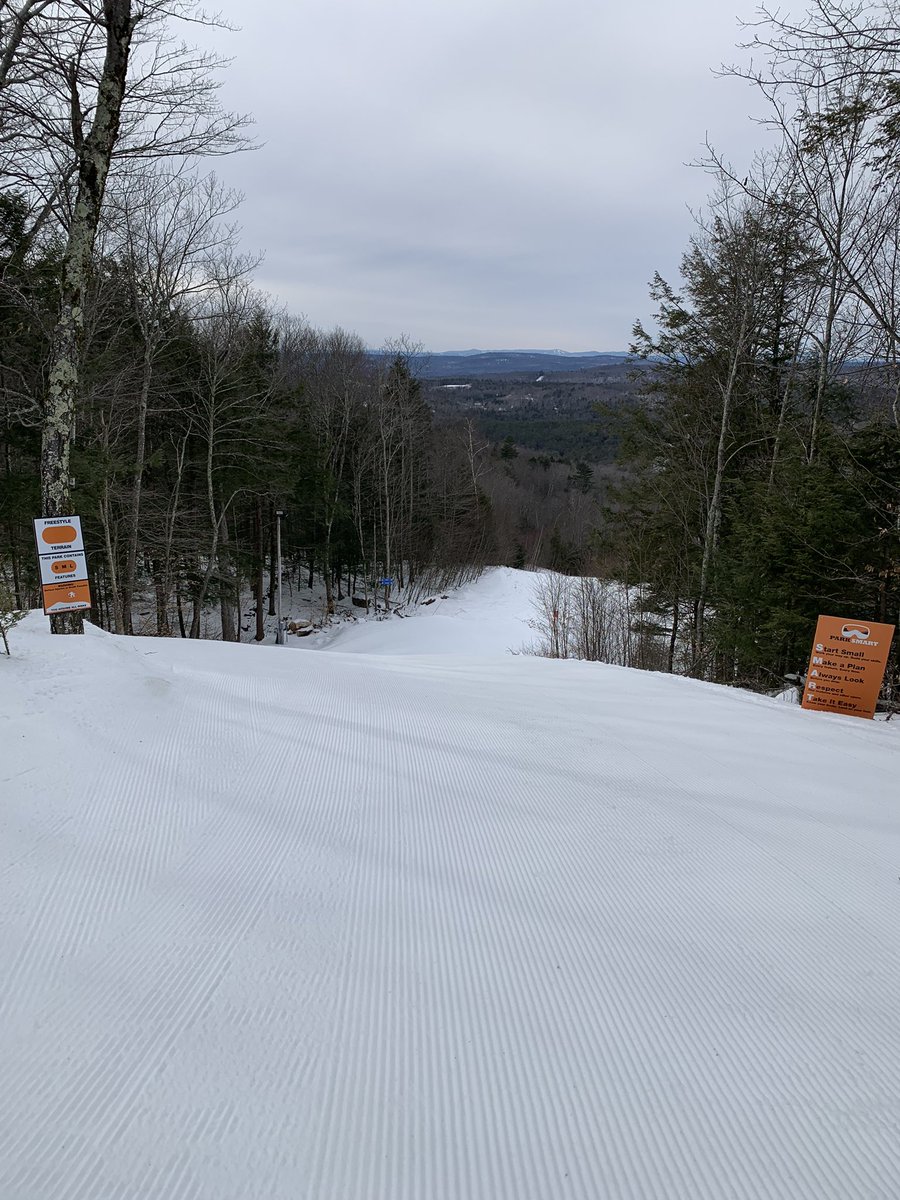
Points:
(385, 583)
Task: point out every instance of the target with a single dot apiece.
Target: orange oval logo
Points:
(58, 535)
(65, 566)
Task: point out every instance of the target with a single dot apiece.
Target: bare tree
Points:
(333, 372)
(714, 341)
(173, 228)
(831, 82)
(230, 400)
(94, 149)
(83, 84)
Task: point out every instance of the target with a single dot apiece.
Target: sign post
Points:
(64, 577)
(846, 666)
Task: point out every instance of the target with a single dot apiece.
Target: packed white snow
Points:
(489, 617)
(428, 920)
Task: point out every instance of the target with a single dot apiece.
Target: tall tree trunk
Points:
(714, 513)
(779, 428)
(673, 637)
(182, 628)
(134, 516)
(229, 630)
(14, 566)
(260, 571)
(821, 385)
(160, 587)
(197, 600)
(217, 524)
(166, 581)
(327, 579)
(115, 596)
(11, 534)
(14, 31)
(273, 563)
(227, 585)
(94, 153)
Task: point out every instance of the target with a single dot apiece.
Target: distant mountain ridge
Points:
(445, 364)
(526, 350)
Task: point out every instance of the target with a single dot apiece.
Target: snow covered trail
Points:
(345, 926)
(486, 618)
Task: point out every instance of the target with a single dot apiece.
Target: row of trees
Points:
(765, 456)
(90, 92)
(146, 384)
(202, 410)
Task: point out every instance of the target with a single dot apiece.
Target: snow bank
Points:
(345, 925)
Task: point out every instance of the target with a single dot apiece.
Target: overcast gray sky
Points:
(478, 173)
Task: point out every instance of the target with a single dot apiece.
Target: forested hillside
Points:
(738, 475)
(570, 412)
(764, 460)
(147, 385)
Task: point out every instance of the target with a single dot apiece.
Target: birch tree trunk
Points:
(714, 513)
(94, 154)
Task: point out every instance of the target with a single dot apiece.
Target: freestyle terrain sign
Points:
(846, 666)
(64, 579)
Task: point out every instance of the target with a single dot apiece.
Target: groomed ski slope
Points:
(297, 925)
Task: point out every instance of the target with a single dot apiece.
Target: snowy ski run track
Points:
(312, 926)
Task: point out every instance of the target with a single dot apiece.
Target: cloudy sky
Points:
(478, 173)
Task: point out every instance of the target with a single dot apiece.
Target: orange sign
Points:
(64, 597)
(59, 535)
(62, 561)
(846, 666)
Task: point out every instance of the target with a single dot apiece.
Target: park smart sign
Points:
(64, 579)
(846, 666)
